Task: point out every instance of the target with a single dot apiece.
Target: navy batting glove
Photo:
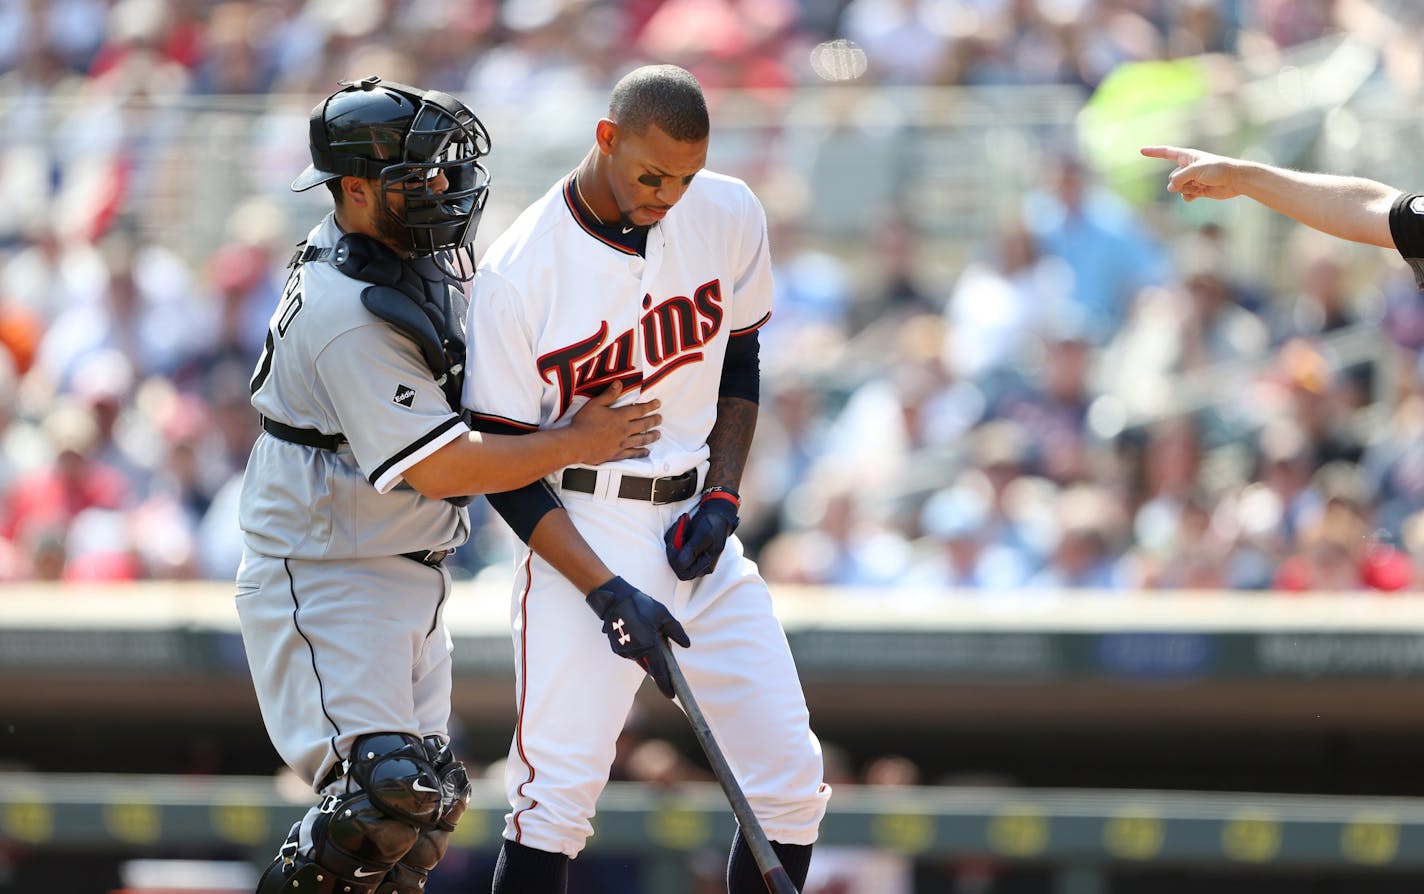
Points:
(695, 540)
(633, 621)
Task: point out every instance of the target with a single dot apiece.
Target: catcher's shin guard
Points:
(356, 838)
(410, 874)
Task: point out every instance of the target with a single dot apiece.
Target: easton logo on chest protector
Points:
(405, 396)
(672, 332)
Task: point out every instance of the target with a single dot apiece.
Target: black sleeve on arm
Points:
(522, 508)
(741, 371)
(1406, 225)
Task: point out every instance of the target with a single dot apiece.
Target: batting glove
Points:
(695, 541)
(633, 621)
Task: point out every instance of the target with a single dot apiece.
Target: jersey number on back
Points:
(288, 308)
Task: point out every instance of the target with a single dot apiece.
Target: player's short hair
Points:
(665, 95)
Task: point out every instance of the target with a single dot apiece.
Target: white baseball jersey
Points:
(557, 313)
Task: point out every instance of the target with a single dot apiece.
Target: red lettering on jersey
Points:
(588, 366)
(612, 362)
(672, 330)
(680, 324)
(709, 300)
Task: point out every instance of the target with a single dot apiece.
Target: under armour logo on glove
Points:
(695, 541)
(633, 621)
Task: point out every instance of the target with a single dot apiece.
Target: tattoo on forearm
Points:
(730, 441)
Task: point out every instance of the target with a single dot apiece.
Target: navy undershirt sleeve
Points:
(523, 508)
(741, 371)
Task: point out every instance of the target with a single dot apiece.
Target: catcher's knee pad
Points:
(409, 875)
(395, 793)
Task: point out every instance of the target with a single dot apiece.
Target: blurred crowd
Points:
(1102, 397)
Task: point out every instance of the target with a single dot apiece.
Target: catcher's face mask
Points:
(445, 138)
(407, 138)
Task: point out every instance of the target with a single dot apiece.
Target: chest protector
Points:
(425, 309)
(429, 310)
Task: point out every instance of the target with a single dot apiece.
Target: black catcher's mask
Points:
(406, 137)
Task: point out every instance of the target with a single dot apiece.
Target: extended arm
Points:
(1352, 208)
(481, 463)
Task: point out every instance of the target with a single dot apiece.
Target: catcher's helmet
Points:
(405, 136)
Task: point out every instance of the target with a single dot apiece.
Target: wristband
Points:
(717, 492)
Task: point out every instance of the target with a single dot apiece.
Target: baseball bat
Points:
(772, 872)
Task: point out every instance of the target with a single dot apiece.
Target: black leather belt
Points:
(431, 557)
(307, 436)
(631, 487)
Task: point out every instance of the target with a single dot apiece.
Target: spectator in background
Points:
(1323, 302)
(49, 273)
(229, 61)
(1394, 462)
(1090, 533)
(994, 525)
(790, 437)
(148, 289)
(1305, 387)
(1216, 326)
(907, 402)
(191, 472)
(1196, 27)
(904, 40)
(1100, 237)
(40, 509)
(1051, 407)
(999, 302)
(961, 549)
(814, 291)
(1286, 457)
(1327, 552)
(1412, 541)
(839, 534)
(241, 276)
(898, 293)
(1176, 548)
(72, 29)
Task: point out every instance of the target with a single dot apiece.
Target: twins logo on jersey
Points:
(672, 331)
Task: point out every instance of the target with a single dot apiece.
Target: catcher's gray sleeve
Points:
(389, 407)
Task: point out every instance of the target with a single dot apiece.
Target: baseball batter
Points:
(639, 268)
(350, 500)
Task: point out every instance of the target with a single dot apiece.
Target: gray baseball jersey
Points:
(333, 366)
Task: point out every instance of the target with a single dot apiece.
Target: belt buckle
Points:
(673, 484)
